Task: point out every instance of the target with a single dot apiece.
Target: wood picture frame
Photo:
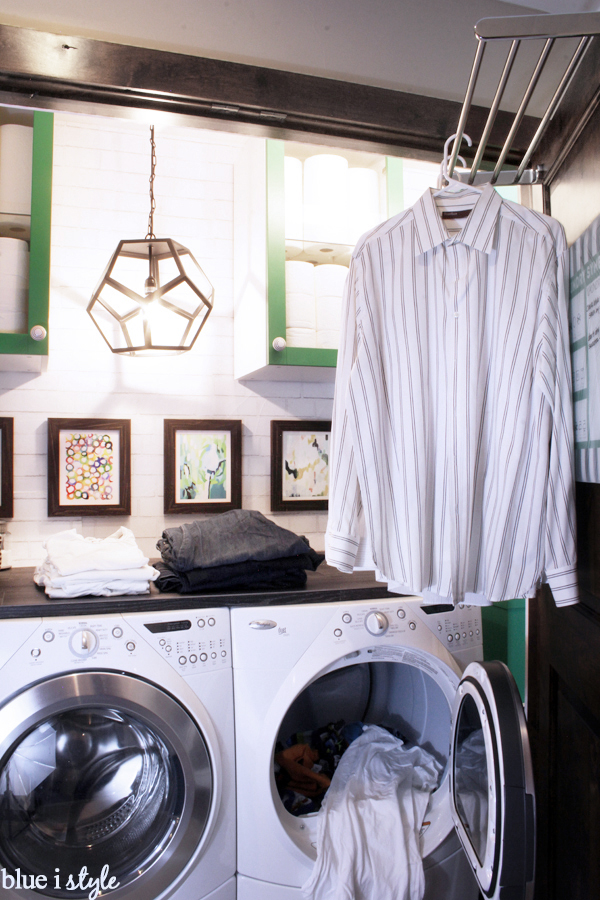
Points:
(300, 464)
(89, 467)
(203, 465)
(6, 467)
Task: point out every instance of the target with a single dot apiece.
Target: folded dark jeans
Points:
(284, 573)
(226, 539)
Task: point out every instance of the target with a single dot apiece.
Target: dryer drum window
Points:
(126, 784)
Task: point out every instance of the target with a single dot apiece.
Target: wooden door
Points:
(564, 644)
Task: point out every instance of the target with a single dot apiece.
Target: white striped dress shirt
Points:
(451, 467)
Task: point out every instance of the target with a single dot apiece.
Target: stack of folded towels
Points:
(102, 567)
(241, 548)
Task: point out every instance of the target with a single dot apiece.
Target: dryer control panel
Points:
(457, 627)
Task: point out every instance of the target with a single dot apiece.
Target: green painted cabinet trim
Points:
(39, 250)
(276, 320)
(504, 636)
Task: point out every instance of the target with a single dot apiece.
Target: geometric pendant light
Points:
(153, 297)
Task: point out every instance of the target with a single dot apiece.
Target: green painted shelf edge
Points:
(39, 249)
(504, 629)
(276, 319)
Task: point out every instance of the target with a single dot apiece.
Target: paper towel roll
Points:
(293, 198)
(328, 340)
(16, 144)
(363, 202)
(329, 313)
(299, 277)
(300, 337)
(330, 280)
(325, 198)
(300, 310)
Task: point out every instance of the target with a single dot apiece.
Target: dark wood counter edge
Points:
(20, 597)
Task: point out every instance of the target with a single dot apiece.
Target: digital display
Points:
(163, 627)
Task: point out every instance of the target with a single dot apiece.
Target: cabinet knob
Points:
(38, 332)
(279, 344)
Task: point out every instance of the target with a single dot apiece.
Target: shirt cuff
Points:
(563, 584)
(341, 551)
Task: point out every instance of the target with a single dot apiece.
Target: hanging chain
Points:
(151, 234)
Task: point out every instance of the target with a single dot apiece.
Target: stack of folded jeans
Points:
(241, 548)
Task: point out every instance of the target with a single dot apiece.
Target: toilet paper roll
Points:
(300, 337)
(16, 144)
(363, 202)
(293, 249)
(300, 310)
(330, 280)
(294, 214)
(13, 304)
(325, 198)
(329, 313)
(14, 259)
(299, 277)
(328, 340)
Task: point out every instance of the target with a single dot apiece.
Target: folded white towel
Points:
(69, 552)
(98, 589)
(46, 577)
(369, 824)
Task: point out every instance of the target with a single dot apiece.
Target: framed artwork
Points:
(203, 465)
(299, 465)
(89, 467)
(6, 468)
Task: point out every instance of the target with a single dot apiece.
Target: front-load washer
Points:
(413, 669)
(117, 768)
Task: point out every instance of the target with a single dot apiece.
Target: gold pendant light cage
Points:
(153, 297)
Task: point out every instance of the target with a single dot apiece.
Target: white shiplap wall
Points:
(100, 195)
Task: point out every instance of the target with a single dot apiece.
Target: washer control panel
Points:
(196, 642)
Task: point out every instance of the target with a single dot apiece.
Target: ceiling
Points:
(419, 46)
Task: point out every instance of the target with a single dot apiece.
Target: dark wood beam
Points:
(41, 66)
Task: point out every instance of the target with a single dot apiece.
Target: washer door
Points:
(491, 789)
(106, 771)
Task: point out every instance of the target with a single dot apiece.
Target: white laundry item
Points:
(142, 574)
(69, 552)
(115, 588)
(369, 824)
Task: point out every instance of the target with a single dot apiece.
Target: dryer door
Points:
(491, 788)
(102, 772)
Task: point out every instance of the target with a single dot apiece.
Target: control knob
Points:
(376, 623)
(83, 642)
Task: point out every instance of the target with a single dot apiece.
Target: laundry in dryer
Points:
(370, 822)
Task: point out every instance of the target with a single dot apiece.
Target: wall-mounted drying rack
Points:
(515, 29)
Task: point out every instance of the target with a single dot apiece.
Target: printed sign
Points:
(584, 315)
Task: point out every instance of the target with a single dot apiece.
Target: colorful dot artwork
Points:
(89, 467)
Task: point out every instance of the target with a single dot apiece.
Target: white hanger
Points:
(448, 185)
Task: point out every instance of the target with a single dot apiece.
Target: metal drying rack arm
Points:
(516, 29)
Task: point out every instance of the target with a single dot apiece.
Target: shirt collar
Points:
(478, 231)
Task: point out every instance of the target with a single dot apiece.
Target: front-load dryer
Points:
(384, 662)
(117, 769)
